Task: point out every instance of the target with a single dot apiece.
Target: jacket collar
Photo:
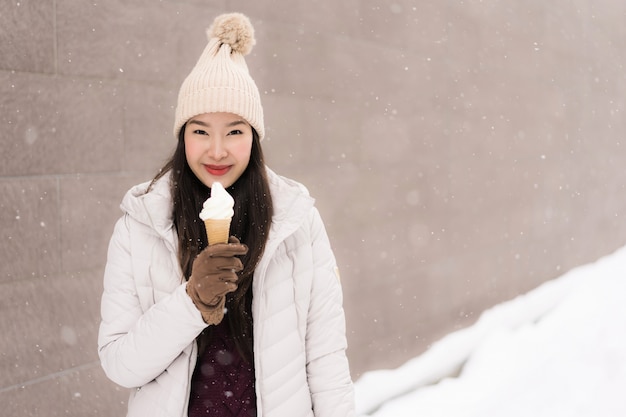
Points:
(291, 202)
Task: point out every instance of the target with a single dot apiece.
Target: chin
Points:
(226, 182)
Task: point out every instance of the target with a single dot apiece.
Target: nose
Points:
(217, 150)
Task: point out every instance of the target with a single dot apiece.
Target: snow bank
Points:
(559, 350)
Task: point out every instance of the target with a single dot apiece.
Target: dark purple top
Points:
(223, 383)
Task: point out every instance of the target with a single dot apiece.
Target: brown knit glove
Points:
(213, 275)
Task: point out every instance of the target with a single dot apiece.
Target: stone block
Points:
(89, 209)
(27, 33)
(56, 125)
(130, 41)
(83, 391)
(49, 325)
(29, 215)
(148, 125)
(315, 17)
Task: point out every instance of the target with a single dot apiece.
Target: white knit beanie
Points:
(220, 81)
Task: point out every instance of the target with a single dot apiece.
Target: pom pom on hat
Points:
(233, 29)
(220, 81)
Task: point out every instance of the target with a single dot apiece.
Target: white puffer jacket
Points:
(149, 324)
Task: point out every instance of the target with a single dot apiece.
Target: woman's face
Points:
(217, 147)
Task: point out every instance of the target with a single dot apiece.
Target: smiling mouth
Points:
(217, 170)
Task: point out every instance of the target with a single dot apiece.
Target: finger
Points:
(216, 262)
(226, 288)
(208, 293)
(234, 264)
(219, 264)
(231, 288)
(234, 246)
(231, 249)
(228, 277)
(224, 249)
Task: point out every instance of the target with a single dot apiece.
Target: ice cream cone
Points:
(217, 230)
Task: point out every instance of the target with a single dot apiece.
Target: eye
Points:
(235, 132)
(199, 132)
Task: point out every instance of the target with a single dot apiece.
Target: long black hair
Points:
(250, 224)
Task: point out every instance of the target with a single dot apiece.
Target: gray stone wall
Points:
(461, 153)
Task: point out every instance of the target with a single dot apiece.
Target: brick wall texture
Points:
(461, 153)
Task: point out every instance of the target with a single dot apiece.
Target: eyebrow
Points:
(231, 124)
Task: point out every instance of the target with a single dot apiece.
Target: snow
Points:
(557, 351)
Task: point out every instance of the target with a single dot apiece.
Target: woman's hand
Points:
(213, 275)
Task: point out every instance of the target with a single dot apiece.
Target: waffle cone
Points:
(217, 230)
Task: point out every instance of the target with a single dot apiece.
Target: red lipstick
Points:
(217, 170)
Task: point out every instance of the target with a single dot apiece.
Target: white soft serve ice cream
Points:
(219, 205)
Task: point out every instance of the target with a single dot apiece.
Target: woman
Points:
(278, 346)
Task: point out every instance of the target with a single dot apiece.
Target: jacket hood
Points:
(291, 201)
(153, 208)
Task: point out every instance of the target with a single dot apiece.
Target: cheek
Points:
(242, 151)
(191, 150)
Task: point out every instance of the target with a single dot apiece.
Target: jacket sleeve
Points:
(136, 346)
(328, 372)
